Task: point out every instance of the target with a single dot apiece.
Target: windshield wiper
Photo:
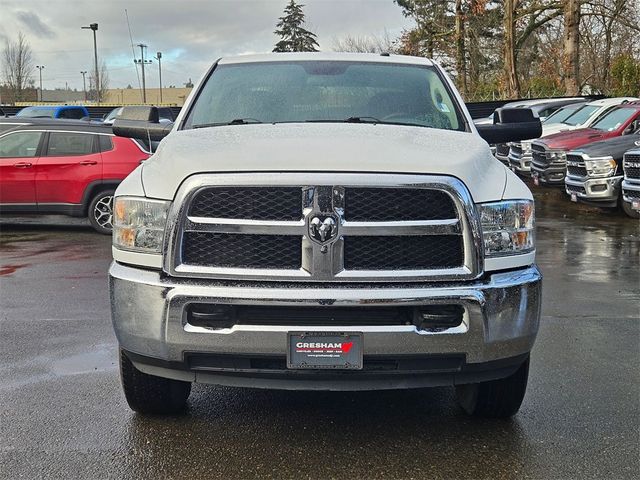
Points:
(235, 121)
(372, 120)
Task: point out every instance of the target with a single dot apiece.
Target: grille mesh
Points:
(397, 204)
(242, 251)
(254, 203)
(631, 194)
(576, 189)
(632, 172)
(403, 252)
(516, 149)
(502, 149)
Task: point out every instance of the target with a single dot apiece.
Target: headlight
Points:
(138, 224)
(557, 155)
(507, 227)
(602, 167)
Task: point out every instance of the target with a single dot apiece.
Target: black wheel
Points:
(150, 394)
(630, 212)
(100, 212)
(495, 399)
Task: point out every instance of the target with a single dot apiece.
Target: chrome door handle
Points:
(23, 165)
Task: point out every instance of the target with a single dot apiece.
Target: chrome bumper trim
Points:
(611, 192)
(501, 317)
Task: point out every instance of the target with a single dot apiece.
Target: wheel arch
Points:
(93, 189)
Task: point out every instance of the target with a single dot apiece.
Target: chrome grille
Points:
(632, 166)
(539, 157)
(246, 202)
(351, 227)
(516, 149)
(575, 166)
(631, 194)
(396, 204)
(241, 251)
(502, 149)
(402, 253)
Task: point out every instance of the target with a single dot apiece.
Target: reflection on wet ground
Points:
(62, 413)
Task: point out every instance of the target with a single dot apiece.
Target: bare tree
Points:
(104, 83)
(364, 44)
(17, 67)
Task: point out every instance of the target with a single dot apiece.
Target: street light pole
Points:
(159, 58)
(84, 84)
(94, 27)
(40, 67)
(142, 62)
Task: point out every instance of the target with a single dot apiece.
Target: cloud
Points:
(190, 33)
(33, 23)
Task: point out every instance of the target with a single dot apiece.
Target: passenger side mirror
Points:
(511, 125)
(142, 123)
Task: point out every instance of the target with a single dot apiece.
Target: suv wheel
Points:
(497, 398)
(626, 208)
(149, 394)
(101, 212)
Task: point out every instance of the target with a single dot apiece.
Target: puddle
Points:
(101, 359)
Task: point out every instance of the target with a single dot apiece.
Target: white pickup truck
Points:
(325, 222)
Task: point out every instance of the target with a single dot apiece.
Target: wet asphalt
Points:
(63, 415)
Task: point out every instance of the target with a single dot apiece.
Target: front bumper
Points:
(631, 191)
(500, 324)
(552, 175)
(520, 163)
(603, 192)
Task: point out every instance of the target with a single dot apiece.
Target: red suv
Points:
(65, 168)
(549, 154)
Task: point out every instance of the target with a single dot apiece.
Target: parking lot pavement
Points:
(62, 413)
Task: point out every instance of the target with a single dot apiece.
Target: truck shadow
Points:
(240, 433)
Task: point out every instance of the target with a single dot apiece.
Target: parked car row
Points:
(64, 167)
(582, 149)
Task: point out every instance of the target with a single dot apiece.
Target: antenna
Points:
(133, 52)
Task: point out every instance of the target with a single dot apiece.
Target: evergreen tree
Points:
(295, 38)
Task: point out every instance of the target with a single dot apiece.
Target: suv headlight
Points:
(507, 227)
(602, 167)
(138, 224)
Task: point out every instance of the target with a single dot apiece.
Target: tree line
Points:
(509, 48)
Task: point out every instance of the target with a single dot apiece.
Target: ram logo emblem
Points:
(322, 228)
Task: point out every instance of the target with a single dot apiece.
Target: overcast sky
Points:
(189, 33)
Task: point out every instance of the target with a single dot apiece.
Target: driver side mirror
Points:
(511, 125)
(142, 123)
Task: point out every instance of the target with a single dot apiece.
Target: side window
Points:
(71, 113)
(19, 144)
(106, 143)
(63, 144)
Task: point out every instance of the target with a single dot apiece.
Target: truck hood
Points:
(615, 147)
(324, 147)
(551, 128)
(574, 138)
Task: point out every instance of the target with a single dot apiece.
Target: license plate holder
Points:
(536, 180)
(325, 350)
(574, 197)
(635, 204)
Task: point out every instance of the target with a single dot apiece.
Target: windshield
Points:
(113, 113)
(581, 115)
(310, 91)
(614, 119)
(560, 115)
(34, 112)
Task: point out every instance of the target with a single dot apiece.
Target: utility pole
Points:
(159, 58)
(94, 27)
(40, 67)
(84, 84)
(142, 62)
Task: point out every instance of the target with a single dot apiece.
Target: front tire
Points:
(148, 394)
(100, 212)
(626, 208)
(497, 398)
